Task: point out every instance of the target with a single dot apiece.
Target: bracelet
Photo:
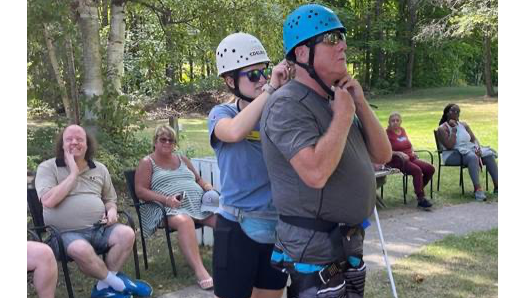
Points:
(268, 88)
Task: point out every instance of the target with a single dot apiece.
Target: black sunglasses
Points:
(331, 38)
(456, 111)
(255, 74)
(166, 140)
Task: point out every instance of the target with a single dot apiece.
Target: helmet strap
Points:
(310, 68)
(236, 91)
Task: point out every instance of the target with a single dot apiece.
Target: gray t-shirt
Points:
(85, 203)
(294, 118)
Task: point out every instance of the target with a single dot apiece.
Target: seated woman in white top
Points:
(457, 135)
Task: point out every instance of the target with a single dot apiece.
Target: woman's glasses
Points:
(455, 111)
(331, 38)
(166, 140)
(255, 74)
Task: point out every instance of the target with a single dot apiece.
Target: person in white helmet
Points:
(244, 233)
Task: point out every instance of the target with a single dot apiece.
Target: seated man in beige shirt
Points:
(79, 199)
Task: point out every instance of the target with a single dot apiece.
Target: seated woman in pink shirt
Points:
(405, 159)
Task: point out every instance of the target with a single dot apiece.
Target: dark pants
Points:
(240, 263)
(420, 170)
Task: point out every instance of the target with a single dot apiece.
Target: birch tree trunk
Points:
(115, 47)
(89, 26)
(56, 71)
(71, 74)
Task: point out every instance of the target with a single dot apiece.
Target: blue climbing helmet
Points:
(308, 21)
(301, 26)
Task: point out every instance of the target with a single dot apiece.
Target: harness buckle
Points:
(331, 270)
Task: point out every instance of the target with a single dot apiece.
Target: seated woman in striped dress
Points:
(162, 176)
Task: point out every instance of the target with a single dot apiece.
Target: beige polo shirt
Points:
(84, 205)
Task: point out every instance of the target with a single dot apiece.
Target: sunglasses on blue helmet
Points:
(331, 38)
(255, 74)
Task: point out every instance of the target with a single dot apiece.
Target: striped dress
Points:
(169, 182)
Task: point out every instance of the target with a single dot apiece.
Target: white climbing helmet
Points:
(239, 50)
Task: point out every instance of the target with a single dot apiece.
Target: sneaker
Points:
(108, 292)
(135, 287)
(424, 204)
(480, 195)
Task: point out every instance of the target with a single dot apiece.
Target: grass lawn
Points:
(449, 268)
(455, 267)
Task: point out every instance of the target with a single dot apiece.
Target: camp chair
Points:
(35, 207)
(441, 149)
(130, 181)
(405, 177)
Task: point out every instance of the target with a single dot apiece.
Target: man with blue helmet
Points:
(319, 139)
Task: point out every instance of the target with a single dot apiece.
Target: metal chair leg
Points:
(170, 249)
(405, 186)
(135, 258)
(487, 184)
(462, 179)
(144, 249)
(431, 188)
(438, 180)
(66, 277)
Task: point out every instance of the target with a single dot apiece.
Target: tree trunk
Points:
(56, 70)
(105, 13)
(170, 67)
(92, 60)
(367, 55)
(378, 63)
(411, 56)
(191, 70)
(208, 69)
(71, 74)
(115, 47)
(487, 66)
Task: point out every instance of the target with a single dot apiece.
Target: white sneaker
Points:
(480, 195)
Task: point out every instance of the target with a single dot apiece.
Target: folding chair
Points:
(130, 182)
(405, 177)
(35, 207)
(440, 150)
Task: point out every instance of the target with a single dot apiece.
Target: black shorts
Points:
(239, 263)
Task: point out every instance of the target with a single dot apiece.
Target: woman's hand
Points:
(402, 155)
(478, 152)
(281, 74)
(173, 201)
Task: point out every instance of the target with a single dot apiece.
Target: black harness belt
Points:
(314, 224)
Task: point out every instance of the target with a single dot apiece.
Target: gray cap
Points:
(210, 201)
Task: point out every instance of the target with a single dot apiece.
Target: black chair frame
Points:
(130, 182)
(405, 177)
(41, 229)
(440, 150)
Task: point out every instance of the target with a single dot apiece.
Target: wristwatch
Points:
(268, 88)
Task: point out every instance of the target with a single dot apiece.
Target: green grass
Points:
(421, 112)
(454, 267)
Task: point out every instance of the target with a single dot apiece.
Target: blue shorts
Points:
(97, 236)
(240, 263)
